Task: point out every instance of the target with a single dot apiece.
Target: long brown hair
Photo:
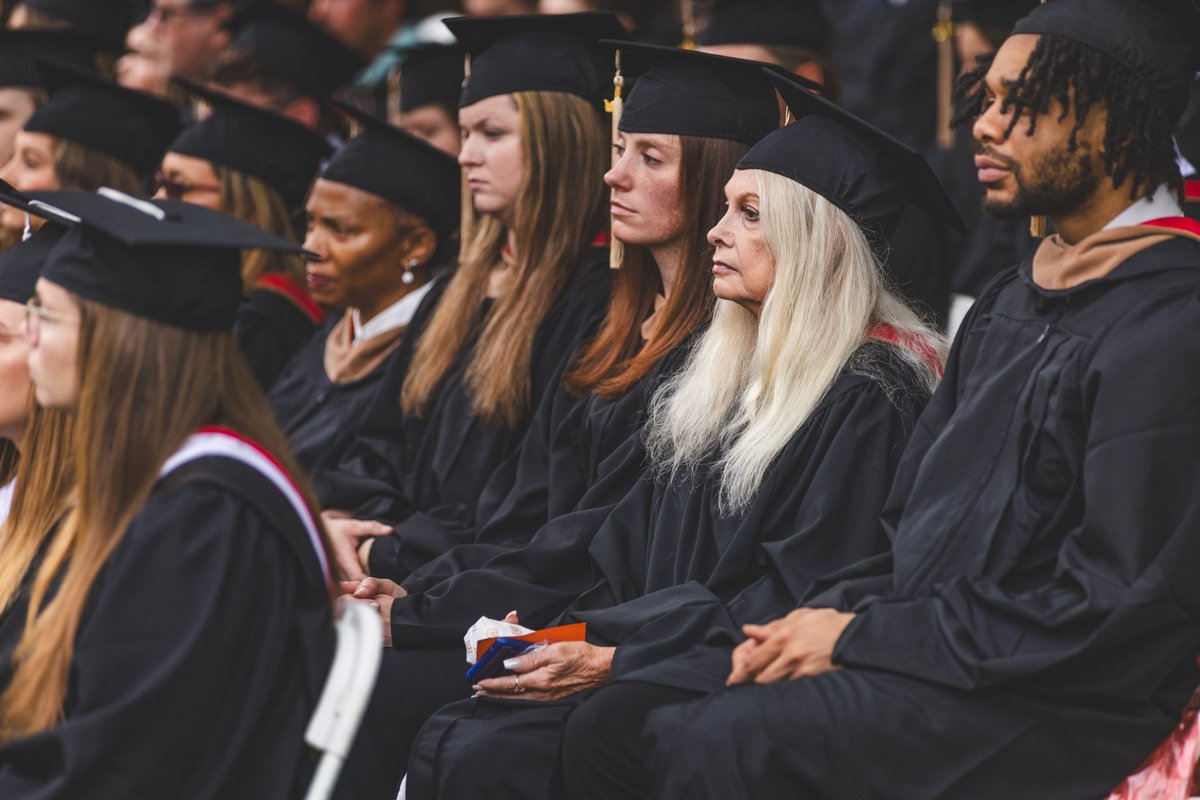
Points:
(84, 169)
(251, 200)
(616, 359)
(559, 210)
(45, 479)
(144, 387)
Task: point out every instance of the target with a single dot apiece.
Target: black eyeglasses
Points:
(176, 189)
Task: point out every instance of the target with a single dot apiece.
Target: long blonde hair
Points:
(144, 387)
(752, 382)
(251, 200)
(558, 211)
(42, 495)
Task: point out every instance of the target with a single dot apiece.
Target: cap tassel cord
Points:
(616, 248)
(466, 227)
(687, 14)
(943, 34)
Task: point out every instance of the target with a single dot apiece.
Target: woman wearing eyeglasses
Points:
(257, 166)
(178, 626)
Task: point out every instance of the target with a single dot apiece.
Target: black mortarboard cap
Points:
(113, 17)
(132, 126)
(400, 168)
(173, 262)
(294, 50)
(18, 48)
(992, 13)
(276, 149)
(863, 171)
(1158, 41)
(537, 53)
(690, 93)
(786, 23)
(431, 73)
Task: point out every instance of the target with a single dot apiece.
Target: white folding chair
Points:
(347, 691)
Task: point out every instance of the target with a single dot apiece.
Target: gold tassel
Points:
(943, 34)
(1037, 227)
(616, 249)
(687, 14)
(466, 225)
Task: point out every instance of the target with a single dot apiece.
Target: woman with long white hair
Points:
(770, 455)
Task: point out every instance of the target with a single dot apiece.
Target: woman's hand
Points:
(380, 593)
(345, 535)
(559, 670)
(799, 645)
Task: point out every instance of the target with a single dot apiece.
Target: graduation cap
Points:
(400, 168)
(113, 17)
(173, 262)
(18, 48)
(537, 53)
(1002, 14)
(276, 149)
(295, 50)
(431, 73)
(1158, 40)
(863, 171)
(132, 126)
(780, 23)
(690, 93)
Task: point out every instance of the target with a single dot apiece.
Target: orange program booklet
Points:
(563, 633)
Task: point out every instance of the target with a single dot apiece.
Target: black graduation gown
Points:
(1037, 633)
(321, 417)
(404, 463)
(666, 563)
(270, 328)
(200, 655)
(559, 458)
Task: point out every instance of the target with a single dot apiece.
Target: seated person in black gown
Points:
(179, 626)
(531, 284)
(1034, 631)
(257, 166)
(380, 222)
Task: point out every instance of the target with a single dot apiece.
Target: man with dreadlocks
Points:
(1034, 631)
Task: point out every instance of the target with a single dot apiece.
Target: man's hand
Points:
(345, 534)
(559, 670)
(798, 646)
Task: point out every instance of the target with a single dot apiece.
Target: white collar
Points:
(397, 315)
(1163, 203)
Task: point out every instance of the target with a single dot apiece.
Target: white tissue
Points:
(485, 628)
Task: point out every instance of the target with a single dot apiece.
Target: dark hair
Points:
(1137, 138)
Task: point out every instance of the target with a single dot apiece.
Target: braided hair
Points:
(1137, 140)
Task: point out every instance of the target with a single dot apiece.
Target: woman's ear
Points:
(420, 243)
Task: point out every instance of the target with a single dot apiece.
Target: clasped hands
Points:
(799, 645)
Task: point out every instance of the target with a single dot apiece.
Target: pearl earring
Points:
(408, 277)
